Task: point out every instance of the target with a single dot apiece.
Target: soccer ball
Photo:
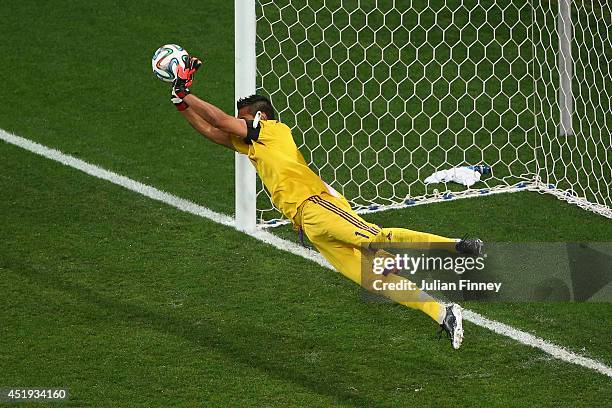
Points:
(166, 60)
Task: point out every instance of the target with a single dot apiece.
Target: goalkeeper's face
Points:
(246, 113)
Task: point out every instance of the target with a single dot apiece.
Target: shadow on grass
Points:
(260, 355)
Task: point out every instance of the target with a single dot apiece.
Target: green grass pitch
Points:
(128, 302)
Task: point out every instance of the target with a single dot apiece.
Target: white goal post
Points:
(380, 94)
(245, 85)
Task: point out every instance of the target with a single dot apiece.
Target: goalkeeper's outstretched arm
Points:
(216, 117)
(206, 118)
(206, 129)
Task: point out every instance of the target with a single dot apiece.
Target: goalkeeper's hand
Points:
(184, 79)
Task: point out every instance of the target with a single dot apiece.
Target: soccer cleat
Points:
(469, 246)
(453, 325)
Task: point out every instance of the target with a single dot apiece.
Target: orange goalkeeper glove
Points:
(184, 79)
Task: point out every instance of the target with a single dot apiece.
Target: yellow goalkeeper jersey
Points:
(280, 165)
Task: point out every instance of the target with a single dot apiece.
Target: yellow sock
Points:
(403, 291)
(419, 240)
(416, 299)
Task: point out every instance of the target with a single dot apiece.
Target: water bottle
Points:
(481, 168)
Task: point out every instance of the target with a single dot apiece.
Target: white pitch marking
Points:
(264, 236)
(537, 342)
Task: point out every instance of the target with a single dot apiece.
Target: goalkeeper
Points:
(326, 218)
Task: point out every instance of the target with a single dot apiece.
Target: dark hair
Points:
(257, 103)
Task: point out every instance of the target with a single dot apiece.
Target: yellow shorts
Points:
(326, 218)
(345, 239)
(337, 232)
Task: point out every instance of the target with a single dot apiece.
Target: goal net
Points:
(381, 94)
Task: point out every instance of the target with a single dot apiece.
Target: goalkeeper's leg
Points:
(348, 227)
(426, 241)
(356, 264)
(343, 238)
(413, 239)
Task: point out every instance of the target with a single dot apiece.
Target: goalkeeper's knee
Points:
(380, 240)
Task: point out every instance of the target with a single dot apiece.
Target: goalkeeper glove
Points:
(184, 79)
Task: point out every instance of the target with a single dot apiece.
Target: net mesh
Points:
(380, 94)
(575, 162)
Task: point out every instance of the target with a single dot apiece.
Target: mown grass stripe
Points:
(525, 338)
